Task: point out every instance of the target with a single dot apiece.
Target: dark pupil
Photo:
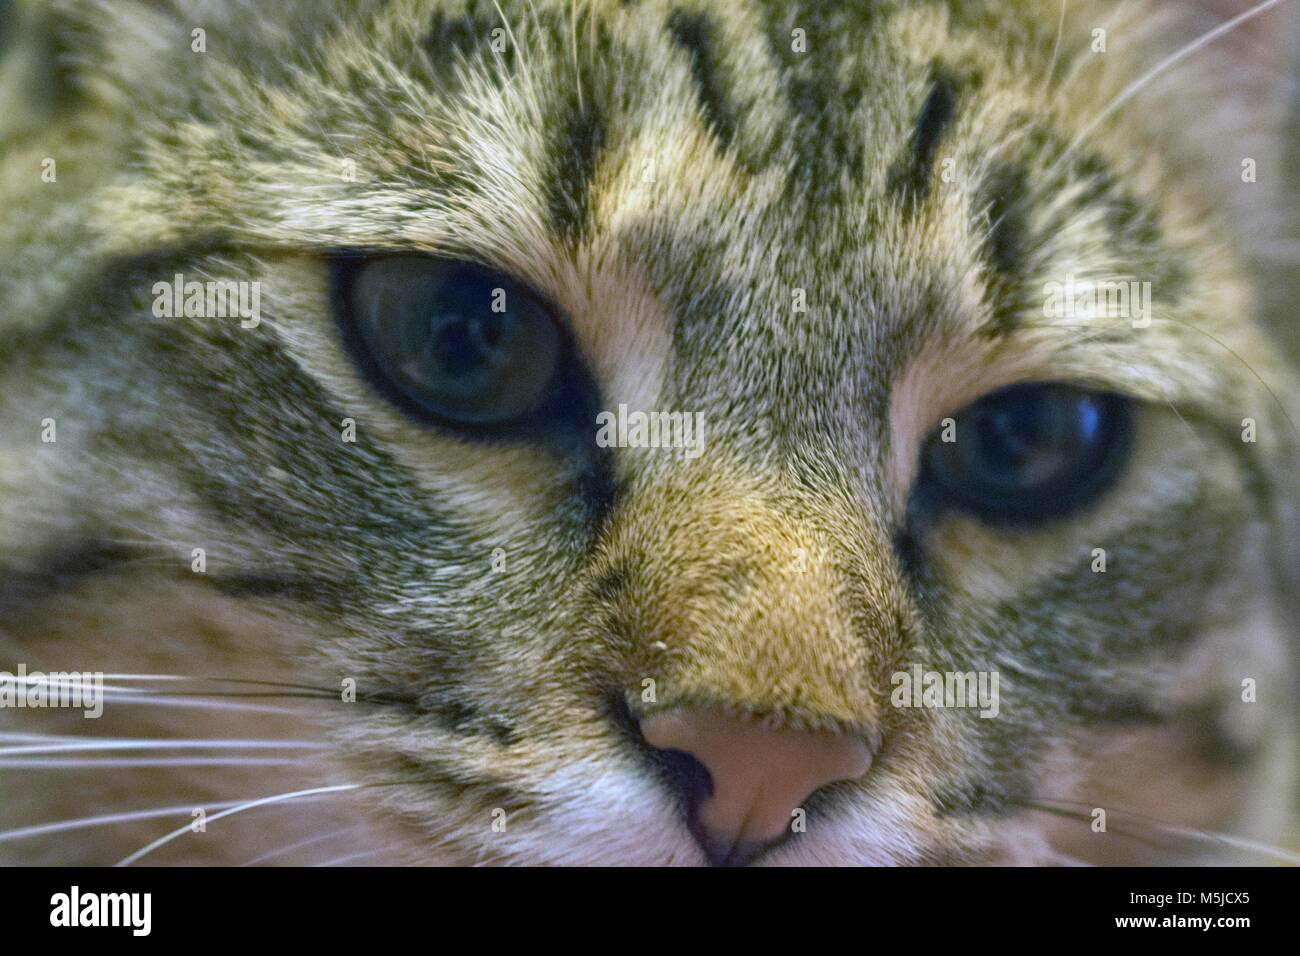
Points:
(460, 343)
(1024, 440)
(462, 347)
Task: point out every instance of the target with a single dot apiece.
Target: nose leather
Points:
(760, 775)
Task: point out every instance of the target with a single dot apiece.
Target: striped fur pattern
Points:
(674, 176)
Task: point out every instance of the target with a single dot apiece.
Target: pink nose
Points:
(759, 775)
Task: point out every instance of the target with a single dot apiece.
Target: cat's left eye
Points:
(453, 341)
(1029, 453)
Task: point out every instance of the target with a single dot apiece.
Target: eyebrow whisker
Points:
(1056, 49)
(1172, 59)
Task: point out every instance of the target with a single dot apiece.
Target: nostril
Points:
(682, 772)
(686, 776)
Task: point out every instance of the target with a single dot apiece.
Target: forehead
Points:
(562, 111)
(737, 152)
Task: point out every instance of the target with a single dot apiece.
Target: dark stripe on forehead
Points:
(1005, 194)
(574, 116)
(575, 154)
(578, 115)
(912, 173)
(463, 34)
(695, 33)
(1002, 206)
(825, 85)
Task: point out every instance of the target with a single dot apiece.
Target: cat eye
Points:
(1029, 453)
(452, 341)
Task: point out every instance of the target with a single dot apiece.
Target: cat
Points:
(362, 586)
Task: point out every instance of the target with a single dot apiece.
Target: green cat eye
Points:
(1028, 453)
(453, 340)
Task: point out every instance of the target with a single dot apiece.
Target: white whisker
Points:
(82, 823)
(251, 805)
(1240, 843)
(1146, 78)
(146, 744)
(340, 860)
(200, 703)
(1056, 49)
(1190, 833)
(123, 762)
(310, 841)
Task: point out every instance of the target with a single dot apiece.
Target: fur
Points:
(668, 175)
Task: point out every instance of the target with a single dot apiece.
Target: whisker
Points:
(197, 703)
(1193, 833)
(161, 744)
(201, 693)
(1181, 54)
(1056, 49)
(83, 681)
(1086, 818)
(1250, 368)
(1196, 436)
(310, 841)
(251, 805)
(83, 763)
(147, 677)
(1065, 859)
(340, 860)
(178, 678)
(83, 823)
(1137, 86)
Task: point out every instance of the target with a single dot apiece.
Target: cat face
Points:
(851, 247)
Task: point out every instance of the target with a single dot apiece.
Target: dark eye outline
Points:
(1072, 494)
(568, 408)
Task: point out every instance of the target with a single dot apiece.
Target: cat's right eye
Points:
(452, 340)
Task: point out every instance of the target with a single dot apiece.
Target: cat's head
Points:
(962, 352)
